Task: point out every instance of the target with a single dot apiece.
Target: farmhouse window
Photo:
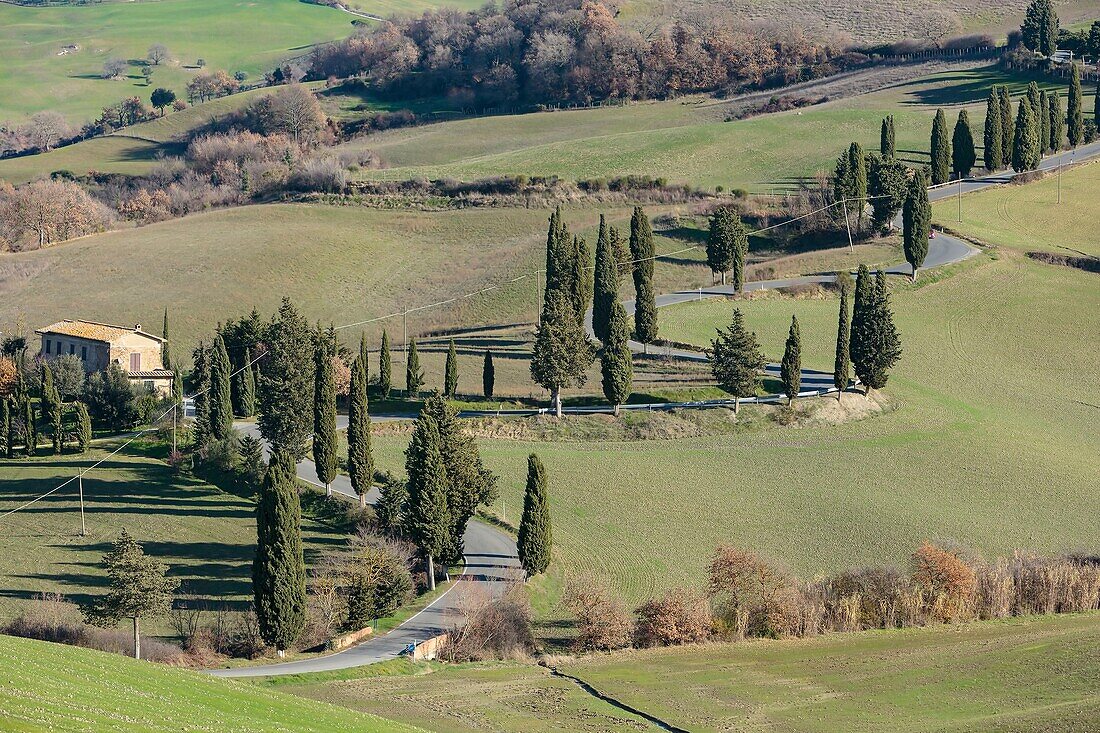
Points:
(84, 353)
(47, 346)
(135, 362)
(72, 349)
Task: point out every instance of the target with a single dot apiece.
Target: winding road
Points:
(491, 561)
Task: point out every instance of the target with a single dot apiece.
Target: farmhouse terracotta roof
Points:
(94, 331)
(152, 374)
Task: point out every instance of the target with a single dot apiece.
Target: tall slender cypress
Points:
(1057, 121)
(385, 367)
(1044, 121)
(642, 252)
(963, 153)
(876, 346)
(201, 377)
(324, 412)
(83, 428)
(992, 138)
(1025, 146)
(1008, 126)
(221, 401)
(5, 426)
(535, 537)
(30, 425)
(427, 518)
(360, 456)
(414, 377)
(581, 279)
(278, 571)
(616, 363)
(606, 282)
(488, 375)
(887, 145)
(165, 355)
(1075, 112)
(842, 366)
(941, 149)
(726, 245)
(450, 376)
(246, 387)
(287, 382)
(790, 369)
(1095, 107)
(916, 220)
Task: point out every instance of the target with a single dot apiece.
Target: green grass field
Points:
(687, 140)
(236, 36)
(206, 536)
(52, 687)
(1029, 217)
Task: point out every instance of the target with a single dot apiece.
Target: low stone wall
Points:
(350, 638)
(429, 649)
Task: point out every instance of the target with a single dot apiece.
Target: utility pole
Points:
(538, 297)
(960, 197)
(80, 483)
(405, 332)
(174, 427)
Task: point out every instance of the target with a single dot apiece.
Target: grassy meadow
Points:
(236, 36)
(53, 687)
(1034, 674)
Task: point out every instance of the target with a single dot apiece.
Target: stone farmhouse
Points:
(99, 344)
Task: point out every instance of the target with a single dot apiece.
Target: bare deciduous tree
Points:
(47, 128)
(158, 53)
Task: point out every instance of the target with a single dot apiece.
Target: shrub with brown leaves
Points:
(680, 616)
(603, 621)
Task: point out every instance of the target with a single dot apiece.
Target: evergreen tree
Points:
(57, 427)
(992, 138)
(52, 407)
(286, 386)
(488, 375)
(1034, 97)
(5, 426)
(360, 457)
(30, 427)
(177, 386)
(1040, 27)
(48, 391)
(139, 588)
(414, 377)
(727, 245)
(1075, 112)
(963, 153)
(606, 285)
(642, 253)
(201, 377)
(221, 404)
(842, 366)
(616, 363)
(1025, 149)
(736, 360)
(876, 346)
(941, 149)
(364, 356)
(1008, 127)
(562, 351)
(385, 367)
(790, 369)
(278, 571)
(324, 412)
(1044, 121)
(888, 182)
(83, 427)
(450, 377)
(621, 248)
(887, 145)
(857, 190)
(428, 522)
(916, 218)
(581, 279)
(1095, 106)
(165, 355)
(535, 533)
(392, 505)
(246, 387)
(558, 253)
(1057, 122)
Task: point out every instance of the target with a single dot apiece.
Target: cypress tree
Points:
(642, 252)
(887, 145)
(488, 375)
(30, 422)
(1034, 97)
(606, 285)
(201, 376)
(246, 387)
(535, 537)
(385, 367)
(278, 571)
(1007, 125)
(726, 246)
(1040, 27)
(581, 280)
(916, 220)
(736, 360)
(414, 377)
(1044, 121)
(623, 265)
(842, 366)
(1025, 149)
(562, 351)
(616, 364)
(392, 505)
(450, 377)
(51, 403)
(963, 153)
(992, 138)
(1057, 122)
(887, 183)
(857, 164)
(1095, 107)
(427, 518)
(83, 428)
(941, 149)
(324, 412)
(1075, 112)
(360, 457)
(559, 254)
(221, 404)
(364, 356)
(5, 426)
(876, 346)
(286, 387)
(790, 369)
(165, 355)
